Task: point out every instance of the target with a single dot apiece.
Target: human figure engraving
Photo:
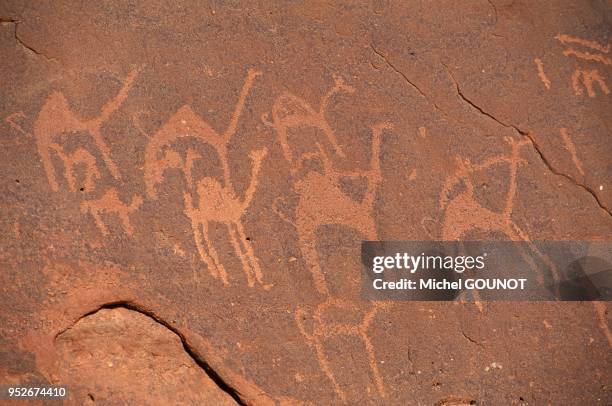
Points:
(111, 203)
(56, 117)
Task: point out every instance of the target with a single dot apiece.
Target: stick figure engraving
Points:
(111, 203)
(220, 204)
(56, 117)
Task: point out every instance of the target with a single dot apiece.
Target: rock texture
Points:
(204, 173)
(124, 356)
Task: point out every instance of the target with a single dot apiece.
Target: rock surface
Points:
(214, 169)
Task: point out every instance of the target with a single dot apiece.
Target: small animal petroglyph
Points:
(290, 111)
(324, 328)
(218, 203)
(56, 117)
(110, 203)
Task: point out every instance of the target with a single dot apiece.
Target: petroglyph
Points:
(290, 111)
(217, 203)
(423, 132)
(541, 74)
(569, 145)
(56, 117)
(159, 155)
(10, 120)
(110, 203)
(463, 213)
(325, 328)
(602, 321)
(322, 202)
(588, 78)
(568, 39)
(72, 161)
(587, 56)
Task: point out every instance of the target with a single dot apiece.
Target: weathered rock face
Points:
(124, 356)
(217, 166)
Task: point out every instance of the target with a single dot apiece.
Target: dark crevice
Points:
(411, 83)
(533, 142)
(470, 339)
(21, 42)
(189, 349)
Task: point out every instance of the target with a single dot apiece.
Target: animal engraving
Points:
(71, 162)
(111, 203)
(159, 155)
(214, 201)
(321, 202)
(218, 203)
(325, 330)
(463, 213)
(56, 117)
(290, 111)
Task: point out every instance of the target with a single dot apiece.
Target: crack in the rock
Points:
(532, 141)
(411, 83)
(22, 42)
(189, 349)
(470, 339)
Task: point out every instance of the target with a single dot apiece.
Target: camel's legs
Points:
(238, 248)
(309, 250)
(250, 253)
(95, 133)
(213, 253)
